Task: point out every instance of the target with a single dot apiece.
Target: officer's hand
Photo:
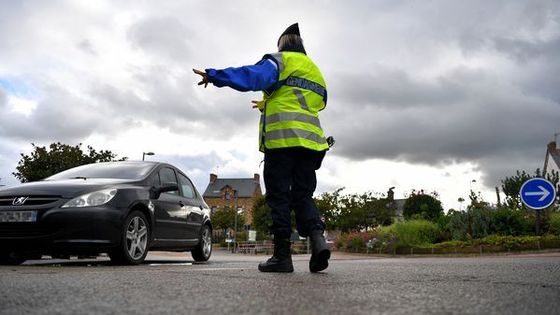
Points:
(203, 75)
(258, 104)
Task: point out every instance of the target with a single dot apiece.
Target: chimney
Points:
(257, 178)
(213, 178)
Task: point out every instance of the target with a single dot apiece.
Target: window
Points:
(154, 180)
(167, 176)
(186, 187)
(120, 170)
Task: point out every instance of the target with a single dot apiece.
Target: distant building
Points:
(552, 159)
(220, 193)
(397, 205)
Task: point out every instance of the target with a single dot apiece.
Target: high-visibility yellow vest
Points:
(290, 117)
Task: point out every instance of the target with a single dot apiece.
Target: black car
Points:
(120, 208)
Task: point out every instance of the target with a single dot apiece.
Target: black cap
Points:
(292, 29)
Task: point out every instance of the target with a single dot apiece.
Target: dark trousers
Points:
(290, 180)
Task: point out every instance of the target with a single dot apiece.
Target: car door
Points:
(195, 214)
(170, 210)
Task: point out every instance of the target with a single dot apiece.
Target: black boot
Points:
(281, 261)
(320, 252)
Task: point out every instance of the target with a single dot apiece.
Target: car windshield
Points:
(118, 170)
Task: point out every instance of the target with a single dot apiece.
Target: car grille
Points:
(10, 230)
(30, 201)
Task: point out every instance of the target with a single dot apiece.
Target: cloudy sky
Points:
(422, 94)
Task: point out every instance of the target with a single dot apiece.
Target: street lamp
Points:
(147, 153)
(236, 211)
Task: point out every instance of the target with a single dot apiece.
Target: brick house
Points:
(220, 193)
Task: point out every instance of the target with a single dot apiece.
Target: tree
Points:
(329, 208)
(225, 218)
(512, 185)
(262, 219)
(422, 205)
(354, 211)
(43, 162)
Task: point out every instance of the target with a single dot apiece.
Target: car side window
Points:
(167, 176)
(186, 187)
(154, 180)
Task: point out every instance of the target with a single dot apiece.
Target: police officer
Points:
(291, 138)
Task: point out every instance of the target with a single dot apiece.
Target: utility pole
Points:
(498, 196)
(235, 233)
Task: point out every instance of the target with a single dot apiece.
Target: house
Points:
(233, 192)
(397, 205)
(552, 159)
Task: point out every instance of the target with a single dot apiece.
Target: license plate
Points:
(18, 216)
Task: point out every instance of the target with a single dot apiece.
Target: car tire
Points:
(203, 250)
(133, 247)
(11, 258)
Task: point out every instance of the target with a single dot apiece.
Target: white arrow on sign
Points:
(543, 193)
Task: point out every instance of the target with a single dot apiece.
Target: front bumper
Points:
(69, 230)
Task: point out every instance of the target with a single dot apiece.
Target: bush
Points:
(443, 226)
(474, 223)
(554, 227)
(423, 206)
(508, 222)
(354, 241)
(410, 233)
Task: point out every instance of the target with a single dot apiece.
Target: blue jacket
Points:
(257, 77)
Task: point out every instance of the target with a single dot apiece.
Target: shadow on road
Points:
(101, 262)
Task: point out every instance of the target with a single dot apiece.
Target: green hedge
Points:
(410, 233)
(554, 227)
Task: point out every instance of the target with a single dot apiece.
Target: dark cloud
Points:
(462, 116)
(169, 101)
(60, 115)
(394, 89)
(166, 37)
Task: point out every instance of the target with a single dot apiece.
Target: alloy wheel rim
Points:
(206, 242)
(136, 238)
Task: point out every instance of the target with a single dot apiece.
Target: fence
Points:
(267, 247)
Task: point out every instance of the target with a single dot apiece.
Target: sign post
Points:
(537, 194)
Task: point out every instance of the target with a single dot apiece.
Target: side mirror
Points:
(155, 193)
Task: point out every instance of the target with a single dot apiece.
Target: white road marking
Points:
(172, 264)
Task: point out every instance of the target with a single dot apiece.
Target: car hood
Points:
(68, 188)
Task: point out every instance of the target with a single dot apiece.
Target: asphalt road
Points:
(231, 284)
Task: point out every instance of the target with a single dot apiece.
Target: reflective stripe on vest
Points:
(292, 117)
(301, 99)
(294, 133)
(279, 61)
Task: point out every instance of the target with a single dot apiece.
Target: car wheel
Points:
(203, 250)
(134, 242)
(11, 258)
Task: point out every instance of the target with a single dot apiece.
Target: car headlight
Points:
(92, 199)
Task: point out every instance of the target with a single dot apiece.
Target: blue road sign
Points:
(537, 193)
